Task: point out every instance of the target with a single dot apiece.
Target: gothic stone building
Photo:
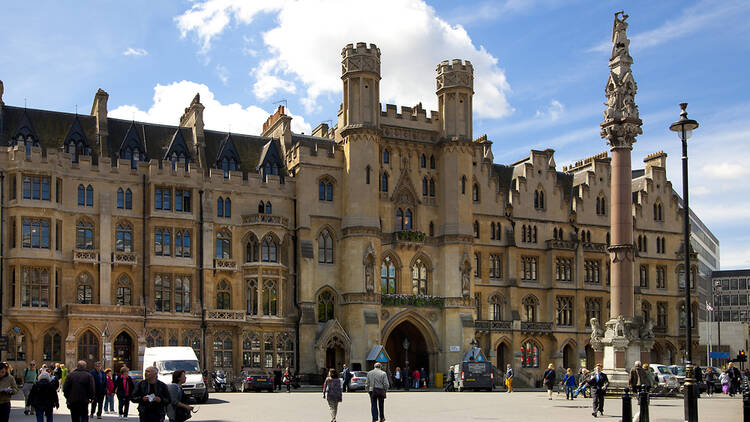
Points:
(310, 251)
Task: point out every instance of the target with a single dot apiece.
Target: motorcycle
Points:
(220, 381)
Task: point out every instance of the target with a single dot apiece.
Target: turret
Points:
(455, 89)
(360, 74)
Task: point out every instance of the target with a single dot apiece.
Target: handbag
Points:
(378, 393)
(180, 413)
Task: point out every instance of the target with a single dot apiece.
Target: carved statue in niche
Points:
(465, 280)
(596, 331)
(369, 276)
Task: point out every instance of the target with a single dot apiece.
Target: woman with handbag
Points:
(287, 379)
(549, 380)
(178, 410)
(332, 387)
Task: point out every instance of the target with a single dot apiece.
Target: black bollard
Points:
(746, 402)
(643, 404)
(627, 406)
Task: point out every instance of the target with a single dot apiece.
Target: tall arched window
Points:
(529, 355)
(224, 245)
(84, 235)
(182, 246)
(325, 306)
(492, 231)
(384, 182)
(227, 207)
(220, 207)
(268, 250)
(16, 344)
(82, 196)
(251, 249)
(425, 189)
(463, 185)
(432, 162)
(419, 278)
(325, 190)
(539, 199)
(261, 207)
(124, 238)
(432, 188)
(89, 196)
(120, 198)
(407, 220)
(399, 219)
(325, 247)
(477, 265)
(223, 295)
(387, 276)
(530, 304)
(386, 156)
(251, 301)
(88, 348)
(124, 291)
(128, 199)
(475, 192)
(270, 297)
(269, 208)
(367, 175)
(34, 287)
(422, 161)
(496, 307)
(85, 289)
(52, 346)
(476, 229)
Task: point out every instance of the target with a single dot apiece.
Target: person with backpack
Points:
(43, 397)
(29, 376)
(332, 392)
(79, 390)
(178, 410)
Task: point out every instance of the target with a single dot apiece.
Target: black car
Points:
(256, 381)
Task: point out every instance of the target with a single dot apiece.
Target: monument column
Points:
(620, 342)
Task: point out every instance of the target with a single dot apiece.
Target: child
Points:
(570, 384)
(109, 399)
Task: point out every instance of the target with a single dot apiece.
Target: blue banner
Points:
(719, 355)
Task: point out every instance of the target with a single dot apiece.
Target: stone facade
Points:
(310, 250)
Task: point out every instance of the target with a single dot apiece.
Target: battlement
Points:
(360, 49)
(413, 113)
(655, 156)
(455, 74)
(455, 65)
(585, 162)
(360, 58)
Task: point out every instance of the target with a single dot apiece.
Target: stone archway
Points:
(504, 356)
(122, 351)
(332, 347)
(569, 357)
(423, 344)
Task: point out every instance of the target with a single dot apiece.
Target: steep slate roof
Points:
(248, 148)
(504, 176)
(271, 152)
(76, 133)
(50, 127)
(178, 145)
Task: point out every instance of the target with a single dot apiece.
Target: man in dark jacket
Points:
(79, 391)
(100, 384)
(735, 377)
(346, 377)
(152, 397)
(43, 396)
(598, 383)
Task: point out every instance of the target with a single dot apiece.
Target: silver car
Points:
(666, 381)
(358, 381)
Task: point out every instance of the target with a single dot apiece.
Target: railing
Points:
(561, 244)
(269, 219)
(412, 300)
(536, 326)
(124, 258)
(594, 247)
(225, 315)
(492, 325)
(86, 256)
(223, 264)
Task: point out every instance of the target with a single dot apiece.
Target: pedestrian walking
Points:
(178, 410)
(64, 373)
(415, 376)
(346, 377)
(735, 377)
(710, 378)
(7, 389)
(407, 378)
(583, 383)
(569, 381)
(598, 383)
(424, 378)
(397, 378)
(100, 387)
(58, 374)
(332, 392)
(79, 390)
(450, 381)
(43, 397)
(377, 386)
(123, 389)
(509, 379)
(109, 399)
(724, 380)
(640, 380)
(152, 397)
(287, 379)
(29, 376)
(277, 377)
(549, 380)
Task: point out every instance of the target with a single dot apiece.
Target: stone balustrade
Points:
(86, 256)
(225, 315)
(223, 264)
(124, 258)
(266, 219)
(493, 325)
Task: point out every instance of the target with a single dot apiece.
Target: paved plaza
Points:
(425, 406)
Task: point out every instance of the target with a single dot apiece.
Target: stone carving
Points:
(619, 329)
(620, 39)
(465, 281)
(596, 332)
(647, 330)
(369, 262)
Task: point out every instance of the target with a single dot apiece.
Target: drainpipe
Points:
(144, 248)
(295, 264)
(2, 244)
(200, 279)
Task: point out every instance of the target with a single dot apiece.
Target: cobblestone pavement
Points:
(425, 406)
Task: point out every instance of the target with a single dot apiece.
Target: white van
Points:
(169, 359)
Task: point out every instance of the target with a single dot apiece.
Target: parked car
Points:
(679, 372)
(358, 381)
(666, 382)
(256, 380)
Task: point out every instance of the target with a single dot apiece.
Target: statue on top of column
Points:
(620, 40)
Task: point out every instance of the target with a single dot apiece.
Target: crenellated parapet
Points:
(455, 74)
(360, 59)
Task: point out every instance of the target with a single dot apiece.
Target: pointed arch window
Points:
(84, 235)
(419, 278)
(530, 355)
(658, 216)
(496, 307)
(251, 301)
(432, 162)
(261, 207)
(325, 190)
(407, 220)
(325, 247)
(384, 182)
(270, 297)
(224, 245)
(387, 276)
(85, 289)
(463, 185)
(530, 304)
(367, 175)
(325, 306)
(89, 196)
(124, 238)
(223, 295)
(128, 199)
(268, 250)
(386, 156)
(220, 207)
(227, 207)
(251, 249)
(52, 346)
(120, 198)
(425, 189)
(477, 265)
(81, 196)
(88, 347)
(124, 291)
(432, 187)
(539, 199)
(269, 207)
(16, 344)
(475, 192)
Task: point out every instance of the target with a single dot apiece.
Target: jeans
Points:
(4, 412)
(123, 406)
(569, 389)
(109, 403)
(79, 411)
(375, 404)
(26, 391)
(41, 412)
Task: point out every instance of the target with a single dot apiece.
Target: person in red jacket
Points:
(417, 378)
(109, 398)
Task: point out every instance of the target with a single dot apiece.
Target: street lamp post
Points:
(406, 351)
(684, 128)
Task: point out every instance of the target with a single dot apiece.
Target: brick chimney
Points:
(279, 125)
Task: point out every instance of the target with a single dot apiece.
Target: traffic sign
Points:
(719, 355)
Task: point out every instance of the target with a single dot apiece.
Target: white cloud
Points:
(726, 170)
(303, 47)
(552, 112)
(170, 102)
(134, 52)
(223, 73)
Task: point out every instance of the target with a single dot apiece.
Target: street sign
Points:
(3, 343)
(455, 348)
(719, 355)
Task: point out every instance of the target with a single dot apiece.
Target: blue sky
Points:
(540, 69)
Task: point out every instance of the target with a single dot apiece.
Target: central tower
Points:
(455, 89)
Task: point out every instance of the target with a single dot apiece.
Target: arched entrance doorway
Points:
(590, 357)
(88, 348)
(569, 357)
(415, 355)
(503, 356)
(123, 352)
(656, 353)
(335, 356)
